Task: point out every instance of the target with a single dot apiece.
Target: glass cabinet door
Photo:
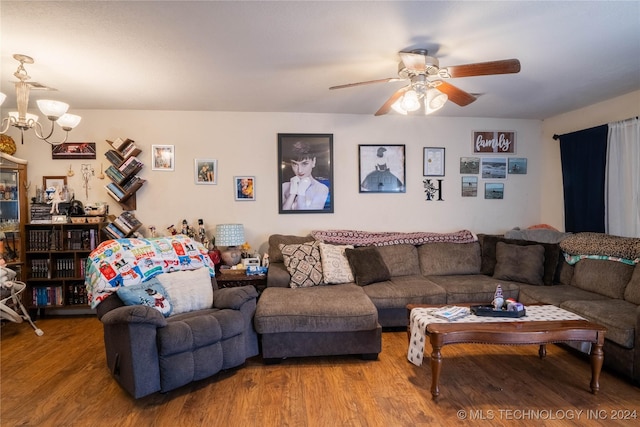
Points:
(13, 207)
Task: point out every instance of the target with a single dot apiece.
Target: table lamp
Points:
(231, 236)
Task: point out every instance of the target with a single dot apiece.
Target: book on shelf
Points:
(118, 143)
(113, 157)
(451, 312)
(113, 173)
(113, 231)
(134, 182)
(130, 150)
(115, 190)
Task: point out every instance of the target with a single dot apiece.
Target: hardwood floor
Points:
(61, 379)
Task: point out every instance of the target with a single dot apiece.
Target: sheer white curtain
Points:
(622, 187)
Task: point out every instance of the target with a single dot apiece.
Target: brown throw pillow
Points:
(488, 244)
(517, 263)
(367, 265)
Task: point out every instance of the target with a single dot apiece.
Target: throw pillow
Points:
(189, 290)
(488, 244)
(303, 263)
(367, 265)
(275, 240)
(335, 265)
(523, 264)
(150, 293)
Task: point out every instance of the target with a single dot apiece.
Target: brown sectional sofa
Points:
(339, 318)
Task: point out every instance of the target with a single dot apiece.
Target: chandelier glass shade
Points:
(55, 111)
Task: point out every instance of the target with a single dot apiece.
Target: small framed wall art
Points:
(469, 186)
(382, 168)
(73, 150)
(494, 142)
(493, 190)
(433, 161)
(206, 171)
(244, 188)
(54, 182)
(517, 166)
(163, 157)
(494, 167)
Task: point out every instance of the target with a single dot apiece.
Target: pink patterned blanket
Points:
(366, 238)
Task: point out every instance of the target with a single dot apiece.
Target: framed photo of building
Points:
(244, 188)
(382, 168)
(162, 157)
(433, 161)
(305, 173)
(73, 150)
(206, 171)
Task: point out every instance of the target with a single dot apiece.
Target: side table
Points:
(235, 280)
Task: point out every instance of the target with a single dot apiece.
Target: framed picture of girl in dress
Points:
(382, 168)
(305, 173)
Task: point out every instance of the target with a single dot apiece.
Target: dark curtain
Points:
(584, 157)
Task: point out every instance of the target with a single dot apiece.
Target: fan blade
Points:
(387, 105)
(506, 66)
(457, 96)
(413, 61)
(389, 79)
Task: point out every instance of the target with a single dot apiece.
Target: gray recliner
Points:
(147, 352)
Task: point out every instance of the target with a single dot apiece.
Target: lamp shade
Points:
(229, 234)
(52, 109)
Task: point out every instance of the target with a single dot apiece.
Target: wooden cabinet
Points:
(122, 172)
(13, 210)
(55, 260)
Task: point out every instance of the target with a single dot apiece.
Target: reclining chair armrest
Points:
(233, 298)
(134, 314)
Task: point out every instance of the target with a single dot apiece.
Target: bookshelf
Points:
(122, 171)
(55, 260)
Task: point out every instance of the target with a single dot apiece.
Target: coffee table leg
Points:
(597, 357)
(542, 351)
(436, 364)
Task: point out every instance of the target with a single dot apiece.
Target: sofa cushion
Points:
(403, 290)
(440, 259)
(473, 288)
(554, 295)
(317, 309)
(335, 265)
(605, 277)
(150, 293)
(189, 290)
(401, 259)
(275, 240)
(632, 291)
(303, 263)
(367, 265)
(488, 244)
(618, 316)
(523, 264)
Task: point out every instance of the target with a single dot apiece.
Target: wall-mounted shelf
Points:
(122, 172)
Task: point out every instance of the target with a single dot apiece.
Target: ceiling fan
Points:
(427, 88)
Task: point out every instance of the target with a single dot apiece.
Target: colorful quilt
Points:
(366, 238)
(126, 262)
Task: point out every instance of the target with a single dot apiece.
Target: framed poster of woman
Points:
(305, 173)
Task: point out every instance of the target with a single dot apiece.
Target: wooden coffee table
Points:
(513, 332)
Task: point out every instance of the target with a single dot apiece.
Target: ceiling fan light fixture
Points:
(52, 109)
(434, 100)
(410, 101)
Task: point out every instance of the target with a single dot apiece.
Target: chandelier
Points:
(420, 94)
(55, 111)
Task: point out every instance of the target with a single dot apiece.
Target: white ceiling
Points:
(276, 56)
